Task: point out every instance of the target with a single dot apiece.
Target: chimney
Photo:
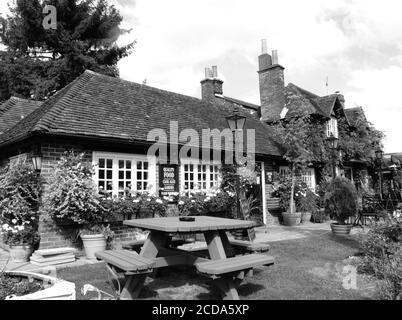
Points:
(272, 84)
(211, 85)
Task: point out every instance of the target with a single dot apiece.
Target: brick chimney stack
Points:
(272, 84)
(211, 85)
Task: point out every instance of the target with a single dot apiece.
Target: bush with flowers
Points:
(19, 197)
(213, 201)
(73, 197)
(283, 192)
(135, 204)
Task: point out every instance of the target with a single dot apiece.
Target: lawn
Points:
(310, 268)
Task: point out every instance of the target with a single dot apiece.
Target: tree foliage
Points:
(360, 140)
(38, 62)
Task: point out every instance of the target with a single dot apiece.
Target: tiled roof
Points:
(355, 115)
(300, 102)
(95, 105)
(15, 109)
(245, 104)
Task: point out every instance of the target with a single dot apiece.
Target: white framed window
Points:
(308, 177)
(332, 127)
(114, 172)
(199, 176)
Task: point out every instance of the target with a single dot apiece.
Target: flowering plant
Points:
(73, 194)
(205, 202)
(19, 234)
(307, 201)
(283, 192)
(19, 196)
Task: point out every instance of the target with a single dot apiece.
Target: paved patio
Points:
(263, 234)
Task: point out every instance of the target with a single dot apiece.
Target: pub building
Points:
(118, 123)
(110, 119)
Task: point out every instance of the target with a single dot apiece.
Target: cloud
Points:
(378, 91)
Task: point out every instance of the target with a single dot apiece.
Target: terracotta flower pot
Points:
(291, 219)
(20, 253)
(305, 217)
(341, 229)
(93, 243)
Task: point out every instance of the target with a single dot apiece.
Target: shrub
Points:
(307, 202)
(72, 194)
(382, 257)
(19, 197)
(206, 202)
(341, 199)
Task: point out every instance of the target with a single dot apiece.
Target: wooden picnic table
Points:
(228, 271)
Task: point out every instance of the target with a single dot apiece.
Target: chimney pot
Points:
(264, 48)
(215, 71)
(275, 57)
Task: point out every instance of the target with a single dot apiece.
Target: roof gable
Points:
(301, 102)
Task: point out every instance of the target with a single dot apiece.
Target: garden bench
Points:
(372, 207)
(230, 272)
(234, 264)
(125, 264)
(249, 246)
(126, 261)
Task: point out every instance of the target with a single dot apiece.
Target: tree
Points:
(303, 142)
(38, 61)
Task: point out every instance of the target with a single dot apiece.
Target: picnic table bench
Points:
(241, 246)
(226, 269)
(230, 272)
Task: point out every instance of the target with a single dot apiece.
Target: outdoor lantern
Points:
(236, 121)
(37, 160)
(379, 154)
(333, 142)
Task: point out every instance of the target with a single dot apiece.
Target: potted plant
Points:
(341, 203)
(307, 205)
(73, 196)
(96, 238)
(20, 237)
(289, 192)
(19, 196)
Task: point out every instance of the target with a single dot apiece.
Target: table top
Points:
(201, 224)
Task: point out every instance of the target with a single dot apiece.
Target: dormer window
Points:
(332, 128)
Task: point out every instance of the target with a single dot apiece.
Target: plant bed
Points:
(18, 285)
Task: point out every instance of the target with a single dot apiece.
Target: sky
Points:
(356, 44)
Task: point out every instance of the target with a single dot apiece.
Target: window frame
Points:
(134, 158)
(196, 173)
(332, 127)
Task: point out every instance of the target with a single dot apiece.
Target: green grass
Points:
(309, 268)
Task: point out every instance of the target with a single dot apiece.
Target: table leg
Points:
(135, 283)
(215, 241)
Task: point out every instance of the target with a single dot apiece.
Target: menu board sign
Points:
(168, 179)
